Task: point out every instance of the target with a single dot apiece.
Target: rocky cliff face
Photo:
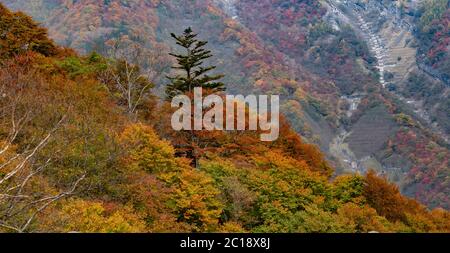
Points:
(347, 71)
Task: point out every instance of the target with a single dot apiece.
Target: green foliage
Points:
(348, 188)
(76, 66)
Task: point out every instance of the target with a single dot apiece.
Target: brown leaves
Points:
(19, 34)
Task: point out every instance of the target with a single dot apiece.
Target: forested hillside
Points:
(433, 31)
(78, 155)
(324, 72)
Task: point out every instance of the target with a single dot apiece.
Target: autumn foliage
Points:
(20, 34)
(118, 173)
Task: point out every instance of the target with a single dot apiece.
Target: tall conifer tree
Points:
(194, 74)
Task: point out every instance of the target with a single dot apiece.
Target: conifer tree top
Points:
(191, 65)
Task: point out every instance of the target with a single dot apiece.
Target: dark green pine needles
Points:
(191, 63)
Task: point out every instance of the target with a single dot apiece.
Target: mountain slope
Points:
(121, 176)
(131, 180)
(306, 51)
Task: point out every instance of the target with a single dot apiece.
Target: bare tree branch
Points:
(14, 198)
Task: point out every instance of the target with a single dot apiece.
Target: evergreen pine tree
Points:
(193, 74)
(191, 63)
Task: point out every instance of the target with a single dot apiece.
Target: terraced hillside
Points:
(388, 28)
(345, 70)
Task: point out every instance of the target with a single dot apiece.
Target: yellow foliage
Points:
(196, 200)
(78, 215)
(362, 218)
(193, 197)
(231, 227)
(146, 150)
